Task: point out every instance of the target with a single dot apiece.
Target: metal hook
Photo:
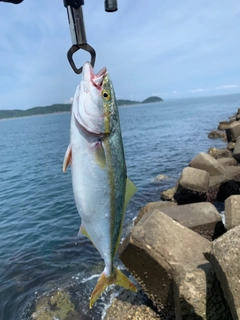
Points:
(78, 34)
(77, 29)
(85, 47)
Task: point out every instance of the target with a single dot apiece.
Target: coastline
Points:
(63, 108)
(36, 115)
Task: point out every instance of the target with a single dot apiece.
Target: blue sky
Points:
(171, 49)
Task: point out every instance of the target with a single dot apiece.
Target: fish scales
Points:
(99, 175)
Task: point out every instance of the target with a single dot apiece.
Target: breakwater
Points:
(181, 252)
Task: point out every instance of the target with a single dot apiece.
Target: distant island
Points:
(131, 102)
(61, 107)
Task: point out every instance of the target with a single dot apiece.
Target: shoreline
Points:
(35, 115)
(58, 112)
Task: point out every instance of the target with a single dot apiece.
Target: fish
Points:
(100, 184)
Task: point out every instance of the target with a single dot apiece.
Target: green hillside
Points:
(126, 102)
(152, 99)
(56, 108)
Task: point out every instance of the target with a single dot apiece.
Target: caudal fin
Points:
(117, 278)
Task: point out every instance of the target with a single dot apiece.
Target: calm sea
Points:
(40, 250)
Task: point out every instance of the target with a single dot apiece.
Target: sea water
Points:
(40, 250)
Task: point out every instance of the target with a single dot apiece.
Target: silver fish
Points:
(101, 187)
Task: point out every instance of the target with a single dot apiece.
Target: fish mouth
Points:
(96, 79)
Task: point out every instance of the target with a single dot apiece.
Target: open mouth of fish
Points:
(97, 81)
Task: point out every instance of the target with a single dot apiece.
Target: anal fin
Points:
(83, 231)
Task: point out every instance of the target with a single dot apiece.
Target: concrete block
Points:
(224, 255)
(232, 211)
(233, 131)
(198, 295)
(219, 153)
(167, 260)
(157, 243)
(159, 205)
(236, 151)
(168, 195)
(205, 161)
(222, 187)
(201, 217)
(223, 125)
(193, 186)
(227, 162)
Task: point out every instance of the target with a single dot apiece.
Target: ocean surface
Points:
(40, 250)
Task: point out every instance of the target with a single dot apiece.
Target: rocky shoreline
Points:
(186, 260)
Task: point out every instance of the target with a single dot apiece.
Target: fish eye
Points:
(106, 95)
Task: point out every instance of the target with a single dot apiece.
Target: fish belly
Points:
(99, 196)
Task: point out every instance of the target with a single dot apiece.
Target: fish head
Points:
(96, 109)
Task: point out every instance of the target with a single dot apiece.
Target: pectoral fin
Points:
(99, 155)
(67, 158)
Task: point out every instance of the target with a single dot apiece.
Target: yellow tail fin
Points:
(117, 278)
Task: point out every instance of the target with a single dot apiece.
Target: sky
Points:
(171, 49)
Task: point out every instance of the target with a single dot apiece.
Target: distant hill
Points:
(131, 102)
(126, 102)
(152, 99)
(57, 108)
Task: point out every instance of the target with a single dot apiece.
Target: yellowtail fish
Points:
(101, 187)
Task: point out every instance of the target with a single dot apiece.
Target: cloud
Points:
(222, 87)
(198, 90)
(176, 48)
(70, 100)
(228, 86)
